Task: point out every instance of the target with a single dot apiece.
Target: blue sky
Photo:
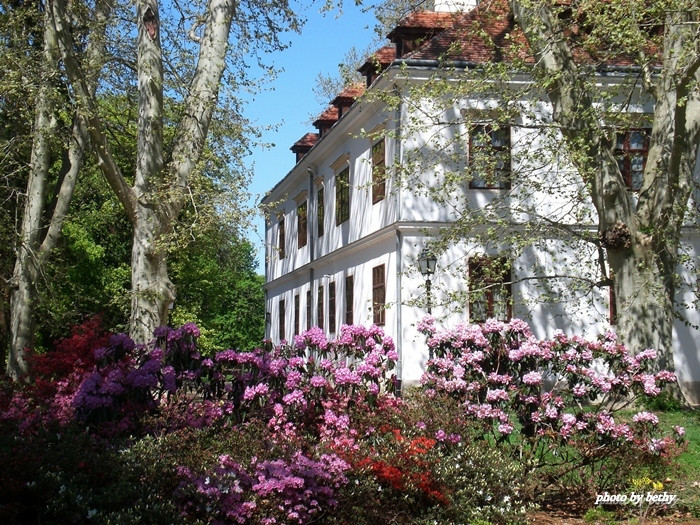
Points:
(321, 46)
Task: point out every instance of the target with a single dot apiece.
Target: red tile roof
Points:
(348, 95)
(379, 61)
(330, 115)
(305, 142)
(484, 34)
(487, 33)
(423, 20)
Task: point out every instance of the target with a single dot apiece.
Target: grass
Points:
(683, 478)
(689, 460)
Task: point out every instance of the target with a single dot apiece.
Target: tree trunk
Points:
(25, 271)
(152, 291)
(644, 305)
(33, 251)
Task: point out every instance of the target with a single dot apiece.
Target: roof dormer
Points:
(377, 63)
(347, 98)
(326, 120)
(302, 146)
(416, 28)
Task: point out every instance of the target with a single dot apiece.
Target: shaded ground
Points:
(568, 517)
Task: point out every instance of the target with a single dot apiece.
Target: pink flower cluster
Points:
(273, 491)
(508, 379)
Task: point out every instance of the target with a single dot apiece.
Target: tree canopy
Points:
(153, 91)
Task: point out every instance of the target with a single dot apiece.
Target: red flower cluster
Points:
(407, 468)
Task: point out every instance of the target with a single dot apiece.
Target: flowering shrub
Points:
(275, 491)
(414, 459)
(47, 400)
(310, 432)
(407, 468)
(538, 396)
(309, 385)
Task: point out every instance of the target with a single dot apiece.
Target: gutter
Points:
(398, 156)
(465, 64)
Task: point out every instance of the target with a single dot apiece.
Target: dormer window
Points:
(416, 28)
(326, 120)
(304, 144)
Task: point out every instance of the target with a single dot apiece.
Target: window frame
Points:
(379, 295)
(302, 225)
(320, 308)
(378, 161)
(349, 299)
(497, 182)
(282, 328)
(309, 309)
(342, 196)
(320, 212)
(626, 152)
(331, 307)
(281, 238)
(297, 313)
(480, 265)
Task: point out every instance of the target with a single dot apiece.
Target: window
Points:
(302, 235)
(320, 308)
(308, 310)
(281, 239)
(349, 299)
(297, 314)
(378, 172)
(378, 295)
(331, 307)
(319, 212)
(282, 313)
(490, 291)
(342, 197)
(489, 157)
(631, 151)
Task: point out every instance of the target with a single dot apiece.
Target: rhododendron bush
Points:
(312, 431)
(555, 402)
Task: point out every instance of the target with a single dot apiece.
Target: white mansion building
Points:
(346, 226)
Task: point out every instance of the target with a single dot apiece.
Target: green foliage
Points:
(599, 516)
(213, 268)
(665, 402)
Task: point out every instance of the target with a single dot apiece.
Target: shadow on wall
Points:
(690, 360)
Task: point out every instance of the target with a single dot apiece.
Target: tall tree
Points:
(38, 235)
(160, 188)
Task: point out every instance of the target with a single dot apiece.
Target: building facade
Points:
(347, 225)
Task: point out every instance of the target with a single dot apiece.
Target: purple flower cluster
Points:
(273, 491)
